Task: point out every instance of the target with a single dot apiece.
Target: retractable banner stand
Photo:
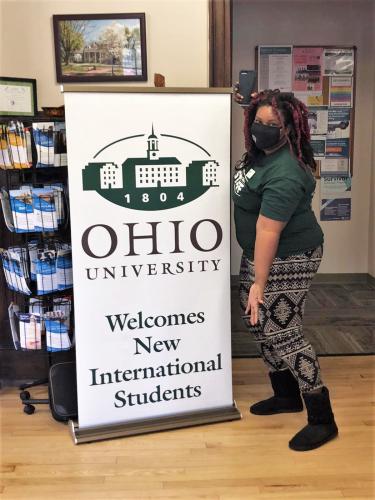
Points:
(149, 187)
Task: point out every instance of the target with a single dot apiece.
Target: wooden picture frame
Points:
(19, 97)
(100, 47)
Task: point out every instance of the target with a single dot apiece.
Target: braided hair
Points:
(292, 114)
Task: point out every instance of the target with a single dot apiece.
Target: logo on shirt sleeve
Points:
(239, 180)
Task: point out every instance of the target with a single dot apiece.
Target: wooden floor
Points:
(247, 459)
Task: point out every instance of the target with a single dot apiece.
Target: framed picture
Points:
(100, 47)
(18, 96)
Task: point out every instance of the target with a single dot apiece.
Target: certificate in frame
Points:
(18, 97)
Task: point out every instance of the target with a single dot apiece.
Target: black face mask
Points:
(265, 136)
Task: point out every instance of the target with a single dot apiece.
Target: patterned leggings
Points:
(278, 333)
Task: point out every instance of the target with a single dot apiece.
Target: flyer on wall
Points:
(339, 123)
(341, 91)
(335, 197)
(334, 166)
(318, 144)
(310, 98)
(307, 69)
(338, 62)
(337, 148)
(275, 67)
(318, 120)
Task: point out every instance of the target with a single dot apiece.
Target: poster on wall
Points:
(341, 91)
(339, 123)
(307, 69)
(150, 217)
(338, 62)
(337, 148)
(335, 166)
(318, 144)
(310, 98)
(335, 197)
(275, 67)
(318, 120)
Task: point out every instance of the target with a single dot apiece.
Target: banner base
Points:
(145, 426)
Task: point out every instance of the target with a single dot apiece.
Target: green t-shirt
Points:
(278, 188)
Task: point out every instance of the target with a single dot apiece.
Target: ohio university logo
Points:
(152, 182)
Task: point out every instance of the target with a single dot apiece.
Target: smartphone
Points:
(247, 83)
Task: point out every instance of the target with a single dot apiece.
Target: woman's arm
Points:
(267, 239)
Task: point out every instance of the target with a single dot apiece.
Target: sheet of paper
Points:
(339, 123)
(341, 91)
(318, 144)
(335, 197)
(307, 69)
(338, 62)
(337, 148)
(334, 166)
(275, 67)
(16, 98)
(318, 120)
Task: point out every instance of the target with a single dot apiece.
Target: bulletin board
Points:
(324, 78)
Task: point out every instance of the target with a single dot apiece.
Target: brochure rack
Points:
(35, 248)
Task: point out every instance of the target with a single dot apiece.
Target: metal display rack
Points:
(36, 257)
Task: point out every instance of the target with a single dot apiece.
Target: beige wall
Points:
(327, 22)
(177, 39)
(371, 255)
(177, 46)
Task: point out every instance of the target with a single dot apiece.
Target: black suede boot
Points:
(321, 425)
(287, 398)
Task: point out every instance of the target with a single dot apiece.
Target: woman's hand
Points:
(236, 91)
(255, 298)
(237, 96)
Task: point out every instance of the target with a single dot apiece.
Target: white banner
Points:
(149, 183)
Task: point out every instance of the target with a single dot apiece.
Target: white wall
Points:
(328, 22)
(176, 32)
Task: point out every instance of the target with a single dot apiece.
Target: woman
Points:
(282, 246)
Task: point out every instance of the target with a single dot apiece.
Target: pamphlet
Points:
(22, 210)
(60, 158)
(17, 145)
(45, 216)
(5, 161)
(12, 310)
(30, 331)
(64, 269)
(46, 277)
(57, 335)
(44, 143)
(7, 212)
(15, 269)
